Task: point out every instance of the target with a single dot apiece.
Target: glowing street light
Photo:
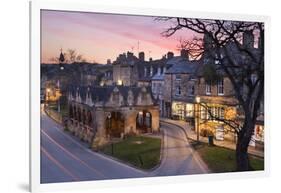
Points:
(119, 82)
(197, 99)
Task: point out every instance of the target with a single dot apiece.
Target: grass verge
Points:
(140, 151)
(220, 159)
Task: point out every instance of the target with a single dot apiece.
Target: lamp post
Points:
(58, 102)
(197, 110)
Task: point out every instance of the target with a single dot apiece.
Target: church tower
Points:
(61, 58)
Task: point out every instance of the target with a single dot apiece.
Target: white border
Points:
(35, 7)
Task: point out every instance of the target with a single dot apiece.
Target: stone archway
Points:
(114, 124)
(71, 112)
(84, 116)
(144, 121)
(89, 118)
(79, 117)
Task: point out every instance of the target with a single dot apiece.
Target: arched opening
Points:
(74, 113)
(84, 116)
(114, 124)
(70, 112)
(90, 119)
(79, 115)
(143, 121)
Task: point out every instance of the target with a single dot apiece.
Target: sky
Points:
(99, 36)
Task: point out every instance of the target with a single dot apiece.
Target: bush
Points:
(206, 132)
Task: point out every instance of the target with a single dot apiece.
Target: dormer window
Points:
(253, 78)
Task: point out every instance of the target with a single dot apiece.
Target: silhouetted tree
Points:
(230, 48)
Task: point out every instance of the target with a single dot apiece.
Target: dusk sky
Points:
(99, 37)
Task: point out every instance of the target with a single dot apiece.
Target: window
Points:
(153, 87)
(115, 97)
(221, 113)
(178, 77)
(253, 78)
(204, 113)
(208, 88)
(220, 87)
(145, 72)
(192, 90)
(189, 110)
(178, 90)
(208, 111)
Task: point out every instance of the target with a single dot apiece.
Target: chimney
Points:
(170, 55)
(248, 39)
(130, 55)
(150, 59)
(184, 53)
(108, 61)
(261, 41)
(141, 56)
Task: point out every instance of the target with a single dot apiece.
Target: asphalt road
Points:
(178, 156)
(64, 158)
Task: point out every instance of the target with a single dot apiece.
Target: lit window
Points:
(189, 110)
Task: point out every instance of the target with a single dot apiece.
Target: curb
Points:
(251, 154)
(47, 113)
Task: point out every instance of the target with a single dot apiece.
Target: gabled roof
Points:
(103, 93)
(182, 65)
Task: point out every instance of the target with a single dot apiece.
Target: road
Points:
(178, 156)
(64, 158)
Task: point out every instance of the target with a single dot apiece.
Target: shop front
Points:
(183, 111)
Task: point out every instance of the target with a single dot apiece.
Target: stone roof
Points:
(181, 65)
(103, 93)
(158, 77)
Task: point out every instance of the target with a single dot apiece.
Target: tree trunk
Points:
(244, 138)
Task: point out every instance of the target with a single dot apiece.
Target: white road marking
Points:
(56, 162)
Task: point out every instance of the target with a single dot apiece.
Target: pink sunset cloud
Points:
(103, 36)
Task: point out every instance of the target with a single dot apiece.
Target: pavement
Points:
(64, 158)
(225, 143)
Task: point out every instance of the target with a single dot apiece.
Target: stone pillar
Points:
(155, 120)
(130, 122)
(100, 137)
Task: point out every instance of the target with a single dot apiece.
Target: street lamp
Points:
(197, 101)
(48, 94)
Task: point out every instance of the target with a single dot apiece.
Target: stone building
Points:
(185, 81)
(157, 87)
(99, 113)
(180, 87)
(217, 97)
(129, 70)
